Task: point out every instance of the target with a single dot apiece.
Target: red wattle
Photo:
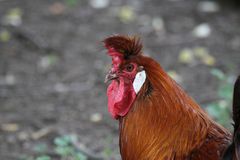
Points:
(121, 96)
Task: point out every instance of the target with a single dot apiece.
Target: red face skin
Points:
(120, 92)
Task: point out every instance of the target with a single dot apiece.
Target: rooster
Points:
(157, 119)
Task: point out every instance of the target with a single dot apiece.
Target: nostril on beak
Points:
(110, 76)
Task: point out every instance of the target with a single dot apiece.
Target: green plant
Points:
(40, 148)
(220, 110)
(43, 158)
(65, 148)
(25, 157)
(71, 3)
(108, 151)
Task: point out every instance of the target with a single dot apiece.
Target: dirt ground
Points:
(53, 65)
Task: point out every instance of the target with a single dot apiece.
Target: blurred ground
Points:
(52, 64)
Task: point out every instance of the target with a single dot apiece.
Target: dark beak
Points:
(110, 76)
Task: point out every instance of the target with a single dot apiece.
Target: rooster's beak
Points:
(110, 76)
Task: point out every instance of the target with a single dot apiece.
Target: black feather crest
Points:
(127, 45)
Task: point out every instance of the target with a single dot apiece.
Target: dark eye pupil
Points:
(130, 67)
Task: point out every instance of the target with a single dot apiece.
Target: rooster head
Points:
(126, 75)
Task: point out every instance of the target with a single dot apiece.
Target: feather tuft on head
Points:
(127, 45)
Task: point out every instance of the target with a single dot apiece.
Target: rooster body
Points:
(160, 122)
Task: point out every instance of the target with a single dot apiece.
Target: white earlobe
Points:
(139, 81)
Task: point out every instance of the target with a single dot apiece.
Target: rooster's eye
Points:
(130, 67)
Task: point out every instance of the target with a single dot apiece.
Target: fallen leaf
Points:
(98, 4)
(23, 136)
(209, 60)
(47, 61)
(126, 14)
(10, 79)
(5, 36)
(13, 17)
(202, 30)
(57, 8)
(208, 6)
(204, 56)
(200, 52)
(158, 24)
(10, 127)
(96, 117)
(186, 56)
(41, 133)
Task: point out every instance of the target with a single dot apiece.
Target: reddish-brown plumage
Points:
(164, 123)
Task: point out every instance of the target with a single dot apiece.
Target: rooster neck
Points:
(163, 123)
(158, 124)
